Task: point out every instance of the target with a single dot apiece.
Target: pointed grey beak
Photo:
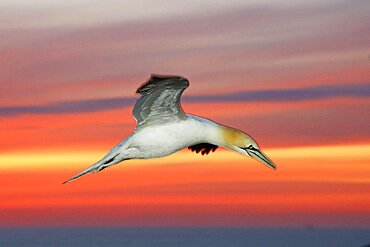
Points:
(258, 155)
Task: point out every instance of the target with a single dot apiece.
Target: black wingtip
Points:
(155, 78)
(203, 148)
(158, 77)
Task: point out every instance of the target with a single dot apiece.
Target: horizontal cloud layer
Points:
(279, 95)
(308, 43)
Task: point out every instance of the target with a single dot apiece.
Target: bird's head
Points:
(242, 143)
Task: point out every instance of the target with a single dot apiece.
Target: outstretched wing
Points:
(204, 148)
(160, 100)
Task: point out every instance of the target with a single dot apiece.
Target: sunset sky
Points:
(295, 75)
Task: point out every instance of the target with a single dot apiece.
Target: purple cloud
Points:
(273, 95)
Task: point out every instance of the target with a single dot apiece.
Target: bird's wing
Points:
(160, 100)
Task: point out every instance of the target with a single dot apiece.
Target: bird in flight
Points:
(164, 128)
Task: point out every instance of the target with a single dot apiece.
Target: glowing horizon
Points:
(181, 185)
(39, 158)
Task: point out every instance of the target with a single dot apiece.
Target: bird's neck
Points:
(228, 136)
(213, 132)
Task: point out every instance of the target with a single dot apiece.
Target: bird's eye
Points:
(250, 147)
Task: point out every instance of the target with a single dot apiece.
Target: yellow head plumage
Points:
(237, 138)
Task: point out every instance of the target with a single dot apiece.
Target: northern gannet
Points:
(163, 128)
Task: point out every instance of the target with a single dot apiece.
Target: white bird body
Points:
(162, 140)
(163, 128)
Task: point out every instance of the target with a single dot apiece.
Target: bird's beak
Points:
(258, 155)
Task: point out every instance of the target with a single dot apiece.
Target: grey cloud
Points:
(309, 93)
(68, 107)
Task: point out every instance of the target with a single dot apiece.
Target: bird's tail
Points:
(97, 167)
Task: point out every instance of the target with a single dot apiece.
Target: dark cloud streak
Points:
(273, 95)
(68, 107)
(308, 93)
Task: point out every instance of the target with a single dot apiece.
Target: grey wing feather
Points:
(160, 100)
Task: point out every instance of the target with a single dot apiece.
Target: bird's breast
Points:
(161, 140)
